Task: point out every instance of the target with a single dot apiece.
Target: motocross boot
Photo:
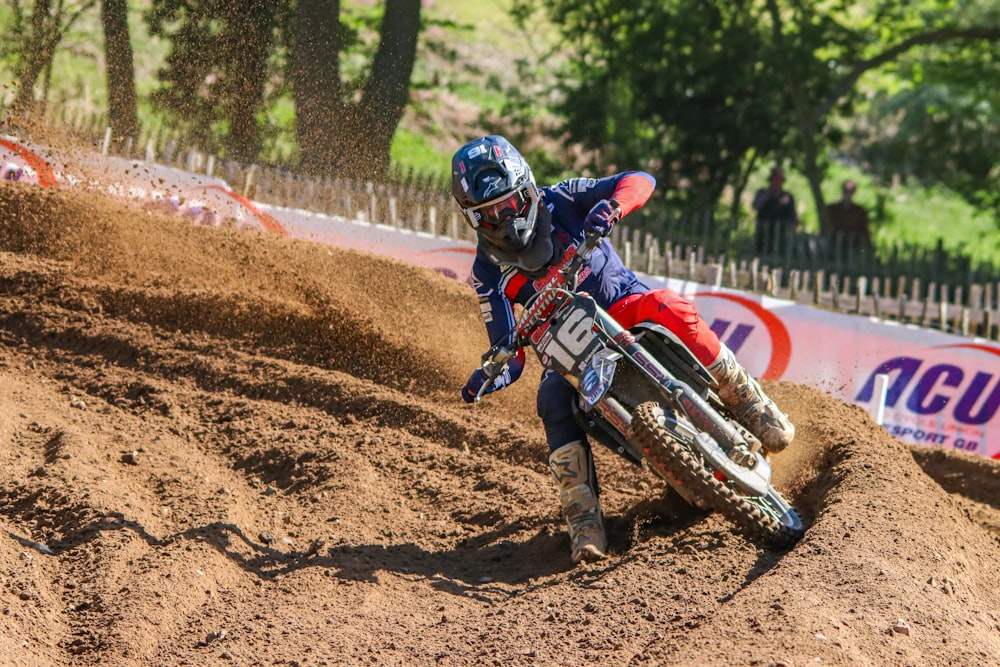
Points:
(749, 404)
(573, 467)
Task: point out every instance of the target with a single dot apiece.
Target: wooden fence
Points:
(966, 310)
(902, 289)
(915, 286)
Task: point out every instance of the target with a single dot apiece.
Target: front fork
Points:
(680, 395)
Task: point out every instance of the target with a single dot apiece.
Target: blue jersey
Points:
(605, 277)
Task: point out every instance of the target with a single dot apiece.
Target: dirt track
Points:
(224, 448)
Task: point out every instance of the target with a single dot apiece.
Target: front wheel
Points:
(767, 518)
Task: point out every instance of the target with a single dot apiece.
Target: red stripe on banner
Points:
(781, 341)
(46, 177)
(270, 224)
(973, 346)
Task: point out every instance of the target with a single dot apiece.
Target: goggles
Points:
(493, 214)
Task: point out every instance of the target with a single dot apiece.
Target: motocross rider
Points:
(522, 230)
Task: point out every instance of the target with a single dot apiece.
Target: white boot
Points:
(572, 466)
(749, 404)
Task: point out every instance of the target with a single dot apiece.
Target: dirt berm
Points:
(225, 448)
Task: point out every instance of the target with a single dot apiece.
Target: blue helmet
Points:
(492, 183)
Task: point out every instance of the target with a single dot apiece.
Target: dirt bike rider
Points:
(522, 231)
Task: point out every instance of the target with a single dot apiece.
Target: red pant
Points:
(555, 395)
(675, 313)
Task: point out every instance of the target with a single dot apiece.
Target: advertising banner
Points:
(941, 389)
(202, 199)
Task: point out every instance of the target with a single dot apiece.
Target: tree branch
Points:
(990, 33)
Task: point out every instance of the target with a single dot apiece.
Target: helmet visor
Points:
(494, 213)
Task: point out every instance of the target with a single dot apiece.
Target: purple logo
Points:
(936, 389)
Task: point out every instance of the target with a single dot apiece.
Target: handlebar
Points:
(495, 359)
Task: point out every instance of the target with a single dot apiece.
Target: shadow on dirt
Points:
(970, 475)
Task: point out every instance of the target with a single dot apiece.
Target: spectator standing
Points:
(777, 217)
(849, 221)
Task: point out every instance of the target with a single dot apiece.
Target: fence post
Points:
(106, 146)
(370, 188)
(976, 296)
(713, 274)
(877, 283)
(927, 301)
(614, 235)
(943, 307)
(881, 391)
(248, 184)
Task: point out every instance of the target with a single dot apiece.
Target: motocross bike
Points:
(644, 395)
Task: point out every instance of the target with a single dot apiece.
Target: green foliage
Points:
(692, 90)
(411, 151)
(922, 216)
(702, 92)
(945, 127)
(217, 69)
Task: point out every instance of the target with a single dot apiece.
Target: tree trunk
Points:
(814, 174)
(40, 49)
(315, 77)
(251, 29)
(123, 112)
(388, 89)
(334, 135)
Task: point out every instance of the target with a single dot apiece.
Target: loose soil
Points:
(224, 448)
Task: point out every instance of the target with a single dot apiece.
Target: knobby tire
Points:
(700, 482)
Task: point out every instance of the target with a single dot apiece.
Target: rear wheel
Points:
(768, 518)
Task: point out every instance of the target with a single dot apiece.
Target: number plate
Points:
(569, 341)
